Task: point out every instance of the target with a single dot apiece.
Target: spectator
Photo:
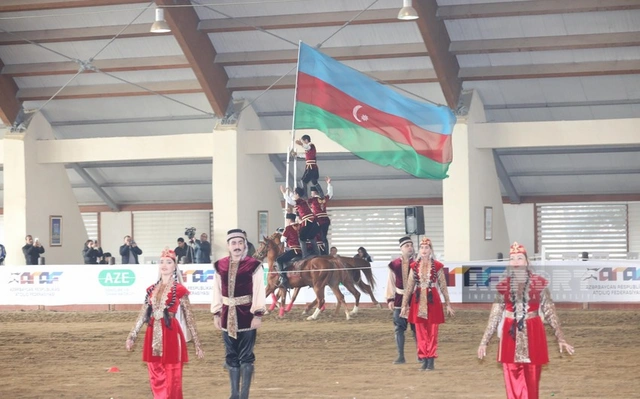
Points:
(182, 251)
(333, 251)
(106, 259)
(130, 251)
(203, 250)
(32, 250)
(3, 254)
(363, 254)
(91, 252)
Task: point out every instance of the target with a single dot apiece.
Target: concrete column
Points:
(32, 193)
(243, 184)
(472, 186)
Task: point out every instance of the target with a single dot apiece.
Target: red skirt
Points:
(174, 346)
(435, 313)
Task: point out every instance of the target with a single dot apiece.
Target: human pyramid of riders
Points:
(305, 233)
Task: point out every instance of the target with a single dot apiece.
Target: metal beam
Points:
(111, 90)
(581, 172)
(538, 7)
(78, 34)
(151, 119)
(366, 178)
(199, 50)
(566, 150)
(300, 21)
(136, 164)
(280, 167)
(436, 39)
(514, 197)
(147, 183)
(34, 5)
(113, 65)
(96, 187)
(288, 82)
(563, 104)
(573, 69)
(370, 52)
(545, 43)
(9, 104)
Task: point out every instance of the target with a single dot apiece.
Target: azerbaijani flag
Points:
(371, 120)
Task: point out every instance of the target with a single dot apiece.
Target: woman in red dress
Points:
(165, 346)
(521, 298)
(425, 307)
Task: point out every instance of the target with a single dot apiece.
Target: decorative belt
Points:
(322, 215)
(307, 218)
(310, 161)
(236, 301)
(425, 285)
(399, 291)
(530, 315)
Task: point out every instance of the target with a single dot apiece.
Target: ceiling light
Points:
(407, 12)
(161, 26)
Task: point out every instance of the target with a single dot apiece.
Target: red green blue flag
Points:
(371, 120)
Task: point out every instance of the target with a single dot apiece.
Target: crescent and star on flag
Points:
(363, 117)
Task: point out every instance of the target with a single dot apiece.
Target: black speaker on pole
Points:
(414, 220)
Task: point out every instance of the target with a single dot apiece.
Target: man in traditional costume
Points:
(291, 240)
(521, 298)
(399, 270)
(318, 206)
(311, 171)
(308, 226)
(237, 307)
(424, 310)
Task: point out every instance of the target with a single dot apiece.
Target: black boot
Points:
(234, 377)
(425, 364)
(247, 374)
(314, 246)
(400, 346)
(304, 249)
(430, 363)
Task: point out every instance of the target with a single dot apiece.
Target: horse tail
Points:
(369, 275)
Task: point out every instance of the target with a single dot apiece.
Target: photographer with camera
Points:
(130, 251)
(202, 249)
(91, 252)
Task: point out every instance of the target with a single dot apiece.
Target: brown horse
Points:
(316, 272)
(270, 248)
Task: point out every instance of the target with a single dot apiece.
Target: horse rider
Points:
(308, 226)
(318, 205)
(292, 242)
(311, 171)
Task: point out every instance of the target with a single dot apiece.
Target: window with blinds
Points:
(90, 220)
(378, 230)
(566, 230)
(154, 231)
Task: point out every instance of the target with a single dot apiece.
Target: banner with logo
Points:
(51, 285)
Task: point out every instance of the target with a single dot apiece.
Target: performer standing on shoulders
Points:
(291, 240)
(308, 226)
(237, 307)
(165, 346)
(521, 297)
(318, 206)
(311, 171)
(399, 270)
(425, 309)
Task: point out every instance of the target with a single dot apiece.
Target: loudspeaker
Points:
(414, 220)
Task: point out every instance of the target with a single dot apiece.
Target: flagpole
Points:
(293, 134)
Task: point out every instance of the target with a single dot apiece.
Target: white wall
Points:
(633, 213)
(521, 225)
(113, 227)
(33, 193)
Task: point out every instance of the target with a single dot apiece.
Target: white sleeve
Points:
(306, 147)
(216, 303)
(288, 198)
(283, 240)
(258, 298)
(329, 190)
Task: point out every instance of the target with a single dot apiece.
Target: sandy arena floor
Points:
(66, 355)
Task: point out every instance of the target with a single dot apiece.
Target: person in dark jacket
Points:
(363, 254)
(32, 250)
(202, 249)
(130, 251)
(91, 252)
